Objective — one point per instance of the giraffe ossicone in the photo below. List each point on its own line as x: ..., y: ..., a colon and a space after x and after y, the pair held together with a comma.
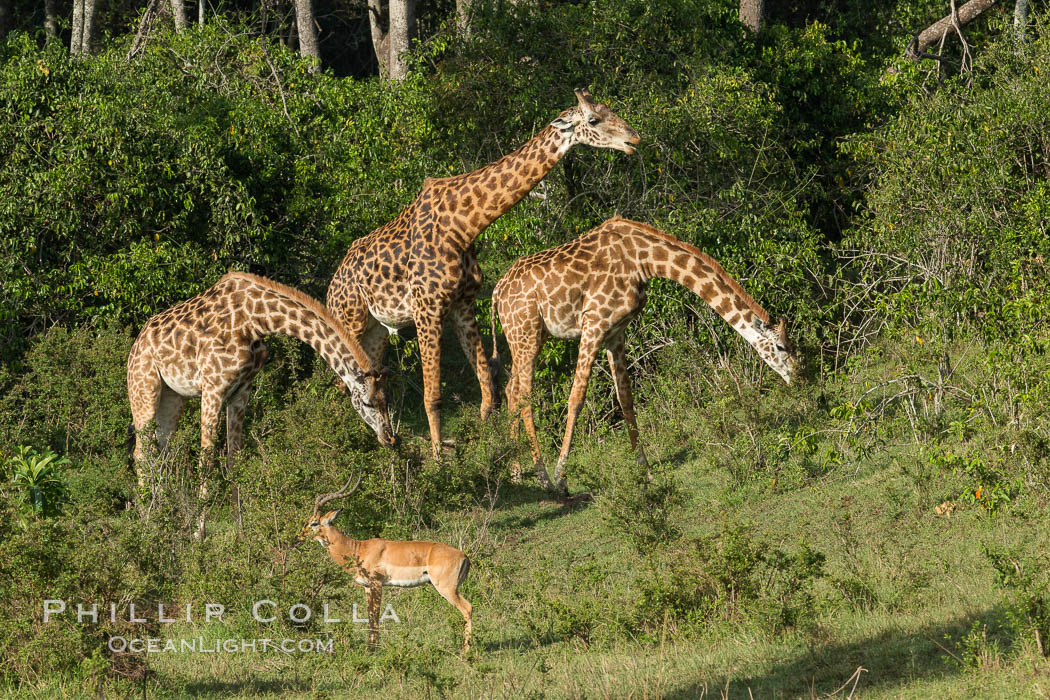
x: 421, y: 268
x: 590, y: 289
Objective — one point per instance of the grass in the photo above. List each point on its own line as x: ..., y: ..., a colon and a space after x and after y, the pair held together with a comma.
x: 906, y: 603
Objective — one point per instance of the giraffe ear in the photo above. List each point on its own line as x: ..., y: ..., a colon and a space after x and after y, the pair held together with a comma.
x: 562, y: 123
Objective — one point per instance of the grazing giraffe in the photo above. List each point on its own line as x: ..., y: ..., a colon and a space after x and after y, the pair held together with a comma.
x: 421, y: 267
x: 590, y: 288
x: 212, y: 346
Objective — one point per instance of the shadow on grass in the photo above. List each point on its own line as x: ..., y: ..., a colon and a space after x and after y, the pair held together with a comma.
x: 891, y: 660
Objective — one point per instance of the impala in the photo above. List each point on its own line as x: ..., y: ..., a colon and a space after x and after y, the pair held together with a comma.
x: 377, y: 562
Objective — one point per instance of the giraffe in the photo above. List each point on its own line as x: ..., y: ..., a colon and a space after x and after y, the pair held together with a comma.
x: 421, y: 267
x: 592, y: 287
x: 212, y: 346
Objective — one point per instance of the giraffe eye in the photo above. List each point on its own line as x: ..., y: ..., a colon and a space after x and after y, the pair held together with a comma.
x: 593, y: 120
x: 781, y: 348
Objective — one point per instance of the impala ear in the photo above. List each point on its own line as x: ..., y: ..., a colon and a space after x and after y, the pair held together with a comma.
x: 329, y: 517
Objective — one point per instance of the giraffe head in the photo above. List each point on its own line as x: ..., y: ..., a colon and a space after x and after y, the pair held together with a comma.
x: 774, y: 346
x: 369, y: 400
x: 593, y: 124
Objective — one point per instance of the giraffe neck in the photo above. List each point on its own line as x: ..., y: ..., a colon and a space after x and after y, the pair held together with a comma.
x: 501, y: 184
x: 274, y: 308
x: 680, y: 262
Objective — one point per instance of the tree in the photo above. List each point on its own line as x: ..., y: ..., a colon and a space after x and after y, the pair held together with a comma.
x: 83, y: 27
x: 178, y: 12
x: 5, y: 18
x: 464, y: 10
x: 1020, y: 18
x: 752, y: 13
x: 936, y: 31
x: 307, y: 33
x: 50, y: 20
x: 392, y: 34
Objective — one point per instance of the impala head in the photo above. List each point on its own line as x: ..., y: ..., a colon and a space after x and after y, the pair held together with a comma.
x: 593, y: 124
x: 369, y: 399
x: 774, y: 346
x: 319, y: 524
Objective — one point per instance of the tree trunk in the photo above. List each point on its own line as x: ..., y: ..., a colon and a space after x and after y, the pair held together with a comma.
x: 304, y: 23
x: 402, y: 31
x: 88, y: 36
x: 933, y: 33
x: 378, y: 21
x: 178, y: 12
x: 464, y: 9
x: 752, y: 13
x: 76, y: 38
x: 149, y: 15
x: 1020, y: 18
x: 5, y: 18
x: 50, y: 20
x: 200, y: 13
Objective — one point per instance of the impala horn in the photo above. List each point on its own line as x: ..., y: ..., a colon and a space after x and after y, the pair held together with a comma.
x: 321, y: 500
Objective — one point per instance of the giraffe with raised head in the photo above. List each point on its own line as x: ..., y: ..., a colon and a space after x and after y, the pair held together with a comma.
x: 421, y: 267
x: 590, y: 289
x: 212, y: 346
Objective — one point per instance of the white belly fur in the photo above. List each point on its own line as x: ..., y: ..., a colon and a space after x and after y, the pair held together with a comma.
x: 184, y: 386
x: 402, y: 581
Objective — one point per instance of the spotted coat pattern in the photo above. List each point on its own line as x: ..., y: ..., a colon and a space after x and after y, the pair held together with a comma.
x: 590, y: 289
x: 212, y: 346
x: 421, y: 267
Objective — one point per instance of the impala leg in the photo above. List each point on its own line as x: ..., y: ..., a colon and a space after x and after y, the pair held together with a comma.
x: 448, y: 586
x: 590, y: 342
x: 374, y: 597
x: 615, y: 350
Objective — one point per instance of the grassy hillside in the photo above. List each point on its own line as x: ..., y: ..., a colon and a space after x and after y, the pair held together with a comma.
x: 877, y: 528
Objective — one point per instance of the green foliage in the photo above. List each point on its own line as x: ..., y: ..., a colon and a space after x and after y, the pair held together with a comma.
x: 955, y: 227
x: 730, y: 576
x: 37, y: 477
x: 1024, y: 577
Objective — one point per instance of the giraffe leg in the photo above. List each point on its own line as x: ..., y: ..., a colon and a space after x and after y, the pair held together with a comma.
x: 236, y: 403
x: 428, y: 332
x: 211, y: 402
x: 590, y: 342
x: 466, y: 327
x: 144, y: 392
x: 374, y: 342
x: 525, y: 341
x: 615, y: 350
x: 374, y: 598
x: 169, y: 409
x: 235, y: 407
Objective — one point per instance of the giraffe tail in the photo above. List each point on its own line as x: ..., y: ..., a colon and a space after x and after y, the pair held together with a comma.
x: 495, y: 363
